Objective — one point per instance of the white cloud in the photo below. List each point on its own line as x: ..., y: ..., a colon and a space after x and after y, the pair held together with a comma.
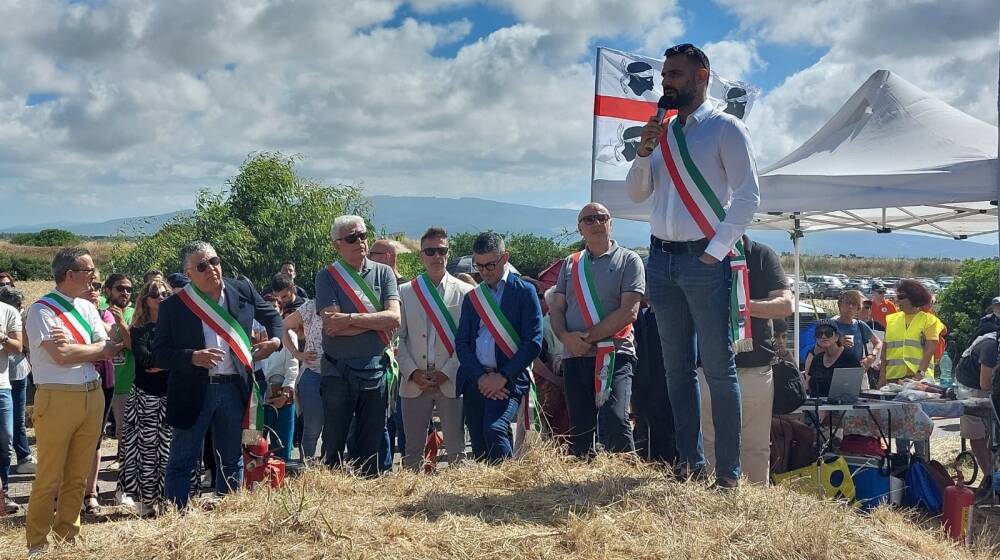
x: 733, y: 60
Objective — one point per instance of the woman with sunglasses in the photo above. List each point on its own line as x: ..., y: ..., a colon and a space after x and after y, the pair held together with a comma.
x: 106, y: 369
x: 911, y: 335
x: 826, y: 356
x: 146, y: 435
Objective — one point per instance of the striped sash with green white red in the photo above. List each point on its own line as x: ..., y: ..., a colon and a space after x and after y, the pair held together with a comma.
x: 593, y: 312
x: 358, y: 291
x: 436, y: 310
x: 77, y: 325
x: 496, y: 322
x: 222, y: 323
x: 702, y: 203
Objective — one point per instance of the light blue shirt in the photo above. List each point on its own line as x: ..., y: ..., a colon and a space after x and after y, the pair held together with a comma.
x: 486, y: 347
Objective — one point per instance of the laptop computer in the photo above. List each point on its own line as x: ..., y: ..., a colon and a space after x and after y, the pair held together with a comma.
x: 845, y: 387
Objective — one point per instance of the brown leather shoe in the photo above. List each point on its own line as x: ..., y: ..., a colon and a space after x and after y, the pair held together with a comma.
x: 723, y: 484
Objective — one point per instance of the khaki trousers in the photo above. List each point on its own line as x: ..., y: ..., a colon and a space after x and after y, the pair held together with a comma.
x: 67, y: 428
x: 756, y: 402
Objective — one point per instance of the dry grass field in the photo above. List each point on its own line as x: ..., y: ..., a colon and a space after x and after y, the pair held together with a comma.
x: 543, y: 506
x: 101, y: 250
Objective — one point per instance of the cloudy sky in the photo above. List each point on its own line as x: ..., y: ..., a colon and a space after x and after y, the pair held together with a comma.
x: 113, y: 108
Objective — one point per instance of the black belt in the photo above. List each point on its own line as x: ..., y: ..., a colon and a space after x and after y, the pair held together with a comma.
x: 695, y: 247
x: 223, y: 379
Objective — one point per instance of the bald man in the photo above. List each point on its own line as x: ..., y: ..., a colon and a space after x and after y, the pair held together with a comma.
x: 595, y: 303
x: 386, y: 252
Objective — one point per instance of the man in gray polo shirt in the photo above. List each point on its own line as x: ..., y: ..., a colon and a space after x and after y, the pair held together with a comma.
x: 355, y: 339
x: 619, y: 281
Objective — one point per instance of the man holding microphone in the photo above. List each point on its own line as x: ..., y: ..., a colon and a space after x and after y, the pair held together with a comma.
x: 699, y: 168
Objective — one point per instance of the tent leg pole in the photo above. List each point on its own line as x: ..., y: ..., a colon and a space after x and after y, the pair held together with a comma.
x: 798, y: 281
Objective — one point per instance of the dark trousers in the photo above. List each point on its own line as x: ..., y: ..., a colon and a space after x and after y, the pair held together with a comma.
x: 489, y: 422
x: 611, y: 422
x: 344, y: 401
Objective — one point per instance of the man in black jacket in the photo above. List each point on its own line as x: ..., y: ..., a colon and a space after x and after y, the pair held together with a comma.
x: 202, y: 339
x: 990, y: 323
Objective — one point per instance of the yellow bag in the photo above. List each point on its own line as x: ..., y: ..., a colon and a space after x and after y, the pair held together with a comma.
x: 831, y: 473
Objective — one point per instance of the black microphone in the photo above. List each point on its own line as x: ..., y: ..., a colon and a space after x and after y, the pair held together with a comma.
x: 661, y: 110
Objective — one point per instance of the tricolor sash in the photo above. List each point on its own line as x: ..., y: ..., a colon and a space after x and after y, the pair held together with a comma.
x: 489, y: 312
x: 222, y: 323
x: 436, y: 311
x: 706, y: 210
x: 593, y: 312
x: 358, y: 291
x: 76, y: 324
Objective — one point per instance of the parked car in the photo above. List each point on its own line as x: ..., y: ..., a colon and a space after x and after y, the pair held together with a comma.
x: 945, y: 281
x: 805, y: 288
x: 931, y: 285
x: 859, y: 284
x: 826, y: 286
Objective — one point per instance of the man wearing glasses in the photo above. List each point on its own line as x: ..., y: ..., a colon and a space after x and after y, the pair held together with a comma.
x: 596, y: 301
x: 428, y: 365
x: 66, y: 335
x: 702, y: 177
x: 499, y: 336
x: 358, y: 301
x: 203, y: 340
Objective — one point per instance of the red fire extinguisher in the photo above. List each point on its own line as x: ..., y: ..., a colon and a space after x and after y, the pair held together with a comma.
x: 260, y: 466
x: 957, y: 509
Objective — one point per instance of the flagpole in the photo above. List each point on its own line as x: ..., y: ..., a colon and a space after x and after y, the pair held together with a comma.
x: 593, y: 140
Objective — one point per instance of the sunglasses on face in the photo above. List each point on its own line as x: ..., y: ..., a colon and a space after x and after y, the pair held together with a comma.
x: 824, y: 334
x: 431, y: 251
x: 595, y: 218
x: 124, y: 289
x: 203, y: 265
x: 489, y: 267
x: 158, y: 295
x: 354, y: 237
x: 95, y: 287
x: 7, y: 283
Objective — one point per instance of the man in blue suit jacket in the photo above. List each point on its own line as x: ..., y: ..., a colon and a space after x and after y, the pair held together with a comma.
x: 207, y: 384
x: 492, y: 383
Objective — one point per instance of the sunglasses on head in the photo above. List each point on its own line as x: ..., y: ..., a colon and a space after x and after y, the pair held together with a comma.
x: 595, y: 218
x: 690, y: 51
x: 354, y: 237
x: 431, y: 251
x: 203, y: 265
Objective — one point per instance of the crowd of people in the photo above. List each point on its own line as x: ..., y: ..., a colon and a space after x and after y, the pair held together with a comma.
x: 670, y: 358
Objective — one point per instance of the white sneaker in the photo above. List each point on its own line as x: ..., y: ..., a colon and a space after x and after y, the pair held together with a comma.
x: 38, y: 551
x: 27, y: 466
x: 124, y: 499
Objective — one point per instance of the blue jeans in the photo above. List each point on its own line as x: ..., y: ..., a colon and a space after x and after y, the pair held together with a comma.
x: 489, y: 422
x: 223, y: 410
x: 691, y: 299
x: 19, y: 390
x: 6, y: 435
x: 311, y: 405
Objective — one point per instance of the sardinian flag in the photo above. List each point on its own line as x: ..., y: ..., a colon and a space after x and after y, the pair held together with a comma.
x: 627, y: 89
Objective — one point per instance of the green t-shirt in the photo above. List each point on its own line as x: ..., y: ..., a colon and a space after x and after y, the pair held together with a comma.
x: 124, y: 363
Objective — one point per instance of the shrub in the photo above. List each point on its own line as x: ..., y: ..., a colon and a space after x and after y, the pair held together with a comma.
x: 46, y: 238
x: 962, y: 304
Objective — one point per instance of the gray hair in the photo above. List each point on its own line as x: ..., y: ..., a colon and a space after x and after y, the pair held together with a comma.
x: 65, y: 260
x: 12, y: 297
x: 194, y: 247
x: 489, y: 242
x: 344, y: 221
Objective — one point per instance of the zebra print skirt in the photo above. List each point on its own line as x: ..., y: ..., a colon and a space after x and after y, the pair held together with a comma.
x: 145, y: 448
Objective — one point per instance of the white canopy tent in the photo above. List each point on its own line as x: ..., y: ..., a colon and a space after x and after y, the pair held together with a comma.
x: 893, y: 158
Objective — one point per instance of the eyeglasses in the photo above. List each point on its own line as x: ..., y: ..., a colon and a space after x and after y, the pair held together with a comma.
x: 690, y: 51
x: 353, y: 237
x: 158, y: 295
x: 87, y: 270
x: 124, y: 289
x: 594, y: 218
x: 825, y: 334
x: 490, y: 266
x: 203, y: 265
x: 431, y: 251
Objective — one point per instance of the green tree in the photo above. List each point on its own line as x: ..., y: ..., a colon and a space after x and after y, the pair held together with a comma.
x: 46, y: 238
x: 967, y: 299
x: 529, y: 253
x: 266, y: 214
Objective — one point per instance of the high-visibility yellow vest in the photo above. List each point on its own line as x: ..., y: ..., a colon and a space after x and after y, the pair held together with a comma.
x: 903, y: 346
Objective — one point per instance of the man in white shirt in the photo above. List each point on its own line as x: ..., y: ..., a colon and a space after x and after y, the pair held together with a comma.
x: 10, y: 339
x: 66, y: 335
x: 688, y: 274
x: 427, y: 362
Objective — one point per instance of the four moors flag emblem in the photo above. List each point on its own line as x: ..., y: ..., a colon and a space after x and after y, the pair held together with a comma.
x: 626, y: 91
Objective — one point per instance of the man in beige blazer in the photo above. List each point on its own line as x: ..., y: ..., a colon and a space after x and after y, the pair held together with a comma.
x: 431, y: 305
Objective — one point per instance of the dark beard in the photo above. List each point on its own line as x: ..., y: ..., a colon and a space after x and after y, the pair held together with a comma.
x: 680, y: 99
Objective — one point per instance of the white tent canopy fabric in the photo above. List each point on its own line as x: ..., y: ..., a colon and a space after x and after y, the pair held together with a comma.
x: 893, y: 158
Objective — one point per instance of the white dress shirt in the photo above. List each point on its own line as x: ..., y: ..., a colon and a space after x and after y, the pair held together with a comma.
x: 720, y: 147
x: 226, y: 365
x: 486, y: 349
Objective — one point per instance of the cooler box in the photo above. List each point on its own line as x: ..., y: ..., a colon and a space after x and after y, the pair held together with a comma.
x: 871, y: 481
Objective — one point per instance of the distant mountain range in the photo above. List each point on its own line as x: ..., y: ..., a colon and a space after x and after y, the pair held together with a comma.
x: 412, y: 214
